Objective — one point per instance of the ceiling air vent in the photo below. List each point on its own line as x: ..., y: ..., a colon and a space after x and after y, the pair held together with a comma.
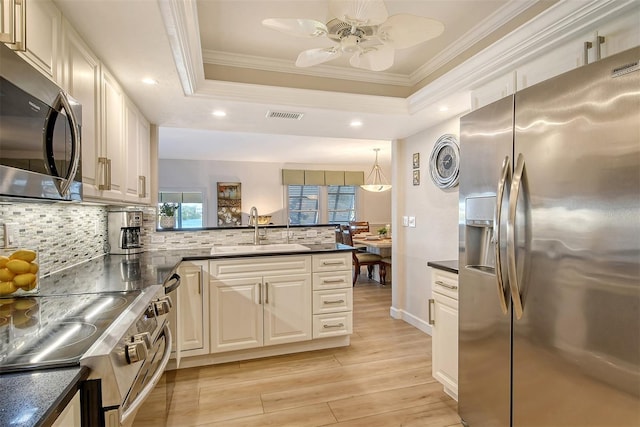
x: 284, y: 115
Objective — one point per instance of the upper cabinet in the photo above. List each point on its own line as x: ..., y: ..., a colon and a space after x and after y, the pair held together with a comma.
x: 115, y: 135
x: 32, y: 28
x: 612, y: 35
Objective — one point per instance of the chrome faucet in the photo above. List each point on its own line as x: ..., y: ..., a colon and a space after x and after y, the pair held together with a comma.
x: 253, y: 213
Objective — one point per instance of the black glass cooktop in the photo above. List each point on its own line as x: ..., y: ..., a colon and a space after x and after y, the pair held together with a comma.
x: 48, y: 331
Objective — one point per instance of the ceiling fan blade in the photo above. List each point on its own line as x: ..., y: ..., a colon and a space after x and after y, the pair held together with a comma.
x: 296, y: 27
x: 359, y: 12
x: 317, y: 56
x: 404, y: 30
x: 376, y: 58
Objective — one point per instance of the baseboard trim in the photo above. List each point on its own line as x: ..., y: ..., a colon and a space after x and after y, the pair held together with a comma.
x: 410, y: 319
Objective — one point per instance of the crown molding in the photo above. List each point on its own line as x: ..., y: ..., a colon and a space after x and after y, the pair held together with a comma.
x: 286, y: 66
x: 547, y: 31
x: 496, y: 20
x: 302, y: 98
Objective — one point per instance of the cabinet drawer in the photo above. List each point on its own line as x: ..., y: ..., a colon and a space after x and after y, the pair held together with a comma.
x: 332, y: 324
x: 332, y: 280
x: 331, y: 262
x: 260, y: 265
x: 332, y: 301
x: 445, y: 283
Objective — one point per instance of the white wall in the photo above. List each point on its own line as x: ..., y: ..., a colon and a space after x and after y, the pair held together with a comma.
x: 261, y: 186
x: 435, y: 237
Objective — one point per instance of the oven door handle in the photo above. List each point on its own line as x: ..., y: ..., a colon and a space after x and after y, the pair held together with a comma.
x: 168, y: 288
x: 135, y: 405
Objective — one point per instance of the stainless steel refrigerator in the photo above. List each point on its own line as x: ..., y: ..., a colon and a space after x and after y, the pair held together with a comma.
x: 549, y: 326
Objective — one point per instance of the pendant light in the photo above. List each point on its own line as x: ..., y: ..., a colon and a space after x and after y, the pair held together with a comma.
x: 376, y: 181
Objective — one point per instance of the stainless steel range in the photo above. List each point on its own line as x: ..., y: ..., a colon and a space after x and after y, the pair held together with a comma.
x: 121, y: 335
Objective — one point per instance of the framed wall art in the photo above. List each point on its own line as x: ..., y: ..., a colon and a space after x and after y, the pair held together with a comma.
x: 416, y: 160
x: 416, y: 177
x: 229, y: 204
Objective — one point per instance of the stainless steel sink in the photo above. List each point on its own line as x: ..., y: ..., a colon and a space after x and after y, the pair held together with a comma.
x: 250, y: 249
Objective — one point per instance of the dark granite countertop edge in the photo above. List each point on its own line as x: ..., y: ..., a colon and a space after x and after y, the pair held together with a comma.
x: 313, y: 249
x: 65, y: 397
x: 449, y: 265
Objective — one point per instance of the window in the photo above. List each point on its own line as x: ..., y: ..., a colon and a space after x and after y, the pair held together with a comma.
x: 313, y: 204
x: 341, y: 206
x: 189, y: 213
x: 303, y: 204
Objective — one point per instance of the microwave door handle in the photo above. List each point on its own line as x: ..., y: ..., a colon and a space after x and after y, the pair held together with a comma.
x: 497, y: 223
x: 511, y: 238
x: 62, y: 102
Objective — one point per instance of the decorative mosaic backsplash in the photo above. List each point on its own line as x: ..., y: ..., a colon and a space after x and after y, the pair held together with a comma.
x: 64, y: 234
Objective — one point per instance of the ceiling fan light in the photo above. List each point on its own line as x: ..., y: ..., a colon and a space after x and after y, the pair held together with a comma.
x: 376, y: 182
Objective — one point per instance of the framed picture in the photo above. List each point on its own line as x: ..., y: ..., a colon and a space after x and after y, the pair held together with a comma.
x: 416, y: 177
x: 416, y: 160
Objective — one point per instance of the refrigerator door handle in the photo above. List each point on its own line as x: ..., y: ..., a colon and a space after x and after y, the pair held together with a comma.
x: 497, y: 221
x: 511, y: 236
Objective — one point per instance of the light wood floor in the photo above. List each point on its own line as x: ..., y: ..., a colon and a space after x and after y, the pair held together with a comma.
x: 382, y: 379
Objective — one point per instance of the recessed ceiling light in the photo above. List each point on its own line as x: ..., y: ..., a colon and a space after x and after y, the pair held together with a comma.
x: 355, y: 123
x: 443, y: 108
x: 219, y: 113
x: 149, y: 81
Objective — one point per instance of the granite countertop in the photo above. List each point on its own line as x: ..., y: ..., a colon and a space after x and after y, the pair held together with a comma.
x: 449, y: 265
x: 37, y: 397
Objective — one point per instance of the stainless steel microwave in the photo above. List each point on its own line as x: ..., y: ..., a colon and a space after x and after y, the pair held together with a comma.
x: 40, y: 128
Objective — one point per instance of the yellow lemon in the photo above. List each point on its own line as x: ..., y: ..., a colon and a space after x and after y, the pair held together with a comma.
x: 18, y: 266
x: 7, y: 288
x: 23, y: 254
x: 3, y: 261
x: 6, y: 275
x: 24, y: 280
x: 33, y: 268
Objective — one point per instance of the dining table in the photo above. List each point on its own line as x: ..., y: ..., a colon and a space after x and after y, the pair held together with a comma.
x: 375, y: 244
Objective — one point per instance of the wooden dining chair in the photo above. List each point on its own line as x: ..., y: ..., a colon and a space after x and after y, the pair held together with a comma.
x: 361, y: 259
x: 358, y: 227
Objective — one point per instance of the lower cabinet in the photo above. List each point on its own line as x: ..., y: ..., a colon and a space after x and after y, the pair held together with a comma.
x: 443, y: 316
x: 250, y: 308
x: 332, y: 295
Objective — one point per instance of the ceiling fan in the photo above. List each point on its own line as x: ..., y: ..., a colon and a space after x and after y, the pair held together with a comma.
x: 362, y: 28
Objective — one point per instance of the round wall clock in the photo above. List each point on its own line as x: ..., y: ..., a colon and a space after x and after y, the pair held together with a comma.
x: 444, y: 163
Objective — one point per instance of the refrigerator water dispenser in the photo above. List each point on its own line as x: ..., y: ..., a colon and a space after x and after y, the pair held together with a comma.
x: 479, y: 217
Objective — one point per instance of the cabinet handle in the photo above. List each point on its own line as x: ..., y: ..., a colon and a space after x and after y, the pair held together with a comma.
x: 432, y: 302
x: 18, y: 24
x: 106, y: 162
x: 332, y: 262
x: 142, y: 182
x: 266, y: 293
x: 340, y: 301
x: 333, y: 281
x: 339, y: 325
x: 10, y: 32
x: 259, y: 293
x: 596, y: 49
x: 446, y: 285
x: 199, y: 282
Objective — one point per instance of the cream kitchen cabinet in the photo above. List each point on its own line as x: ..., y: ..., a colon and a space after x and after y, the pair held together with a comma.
x: 33, y: 28
x: 137, y: 140
x: 193, y: 308
x: 257, y: 302
x: 611, y: 33
x: 81, y: 73
x: 332, y: 295
x: 443, y: 317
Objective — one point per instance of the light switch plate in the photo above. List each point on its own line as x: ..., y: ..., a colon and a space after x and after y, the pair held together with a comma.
x: 412, y: 221
x: 405, y: 221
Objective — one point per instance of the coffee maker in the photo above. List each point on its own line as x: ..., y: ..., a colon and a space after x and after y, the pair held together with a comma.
x: 124, y: 231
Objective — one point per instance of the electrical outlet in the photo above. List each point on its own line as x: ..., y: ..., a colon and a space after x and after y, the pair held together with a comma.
x: 157, y: 238
x: 412, y: 221
x: 312, y: 233
x: 11, y: 232
x: 405, y: 221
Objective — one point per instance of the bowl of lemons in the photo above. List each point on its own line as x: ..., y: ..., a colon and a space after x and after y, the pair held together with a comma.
x: 18, y: 272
